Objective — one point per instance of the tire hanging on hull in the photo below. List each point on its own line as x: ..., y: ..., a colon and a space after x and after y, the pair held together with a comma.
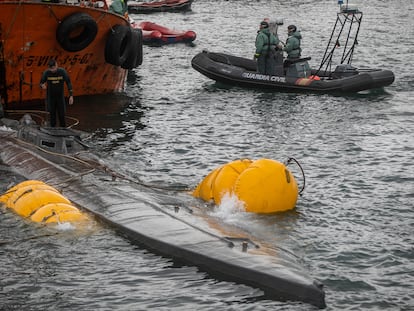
x: 118, y: 45
x: 76, y: 32
x: 124, y: 47
x: 134, y: 58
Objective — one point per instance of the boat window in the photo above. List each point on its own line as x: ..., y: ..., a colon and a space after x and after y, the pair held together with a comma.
x: 49, y: 144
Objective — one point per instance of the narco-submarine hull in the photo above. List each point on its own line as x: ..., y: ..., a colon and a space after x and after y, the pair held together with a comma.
x: 168, y: 223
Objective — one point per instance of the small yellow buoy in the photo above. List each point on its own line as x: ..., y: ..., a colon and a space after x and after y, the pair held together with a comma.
x: 264, y: 185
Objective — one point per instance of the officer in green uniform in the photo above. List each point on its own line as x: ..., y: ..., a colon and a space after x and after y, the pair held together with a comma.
x: 266, y: 44
x: 119, y: 7
x: 53, y: 79
x: 292, y: 47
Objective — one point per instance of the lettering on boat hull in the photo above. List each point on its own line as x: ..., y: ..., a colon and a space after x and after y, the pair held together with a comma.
x: 262, y: 77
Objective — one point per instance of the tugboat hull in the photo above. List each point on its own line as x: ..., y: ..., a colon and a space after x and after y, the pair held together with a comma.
x: 32, y: 33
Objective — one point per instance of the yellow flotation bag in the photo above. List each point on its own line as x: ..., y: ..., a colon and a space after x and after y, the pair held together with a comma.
x: 41, y: 203
x: 264, y: 186
x: 204, y: 190
x: 221, y: 181
x: 25, y: 200
x: 57, y: 212
x: 5, y: 196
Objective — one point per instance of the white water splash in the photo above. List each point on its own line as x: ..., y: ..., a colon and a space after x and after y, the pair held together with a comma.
x: 65, y: 226
x: 230, y: 210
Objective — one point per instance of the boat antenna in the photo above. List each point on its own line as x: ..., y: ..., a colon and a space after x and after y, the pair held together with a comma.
x: 344, y: 36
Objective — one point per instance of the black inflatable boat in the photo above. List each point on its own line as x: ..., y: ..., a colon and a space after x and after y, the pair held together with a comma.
x: 238, y: 71
x: 297, y: 75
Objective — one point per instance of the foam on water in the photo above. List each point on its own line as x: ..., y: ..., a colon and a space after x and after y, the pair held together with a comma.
x: 65, y: 226
x: 230, y: 209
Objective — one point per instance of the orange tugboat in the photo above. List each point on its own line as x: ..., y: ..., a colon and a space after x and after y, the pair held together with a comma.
x: 95, y: 46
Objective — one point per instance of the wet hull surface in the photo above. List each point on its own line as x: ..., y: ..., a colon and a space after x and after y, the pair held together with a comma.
x: 162, y: 223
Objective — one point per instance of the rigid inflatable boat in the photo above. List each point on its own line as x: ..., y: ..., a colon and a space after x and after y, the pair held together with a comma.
x: 297, y: 75
x: 159, y: 6
x: 166, y: 222
x: 238, y: 71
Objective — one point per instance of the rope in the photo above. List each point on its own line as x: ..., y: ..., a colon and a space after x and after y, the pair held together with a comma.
x: 96, y: 165
x: 91, y: 164
x: 115, y: 174
x: 13, y: 20
x: 303, y: 173
x: 34, y: 112
x: 54, y: 15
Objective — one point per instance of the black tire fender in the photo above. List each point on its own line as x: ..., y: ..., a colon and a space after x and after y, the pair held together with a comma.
x: 140, y: 54
x: 134, y: 58
x: 76, y: 32
x: 118, y: 45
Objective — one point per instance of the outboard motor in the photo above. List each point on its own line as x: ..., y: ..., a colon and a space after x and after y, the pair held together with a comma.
x: 298, y: 68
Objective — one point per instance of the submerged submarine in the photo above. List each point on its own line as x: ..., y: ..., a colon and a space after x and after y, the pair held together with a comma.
x: 162, y: 221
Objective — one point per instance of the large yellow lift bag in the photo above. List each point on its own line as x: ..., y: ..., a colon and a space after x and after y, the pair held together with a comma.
x: 227, y: 177
x: 57, y: 212
x: 264, y: 185
x: 31, y: 201
x: 267, y: 186
x: 5, y: 197
x: 41, y: 203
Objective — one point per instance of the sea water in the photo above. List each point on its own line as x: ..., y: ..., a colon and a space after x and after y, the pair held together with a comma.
x: 353, y: 225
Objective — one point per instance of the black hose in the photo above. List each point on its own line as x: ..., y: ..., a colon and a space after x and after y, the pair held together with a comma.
x: 303, y: 173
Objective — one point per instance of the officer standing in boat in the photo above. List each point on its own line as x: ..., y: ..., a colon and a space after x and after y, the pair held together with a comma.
x: 53, y: 80
x: 292, y: 46
x: 266, y: 44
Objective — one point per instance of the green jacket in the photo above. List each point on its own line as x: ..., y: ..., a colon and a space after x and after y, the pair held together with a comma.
x: 292, y: 46
x: 118, y: 7
x: 262, y: 41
